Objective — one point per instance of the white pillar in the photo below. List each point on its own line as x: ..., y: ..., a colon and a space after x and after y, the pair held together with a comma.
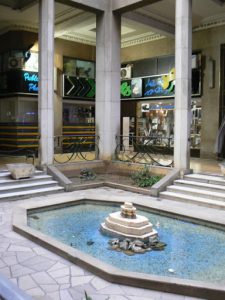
x: 183, y: 54
x: 107, y: 117
x: 46, y: 81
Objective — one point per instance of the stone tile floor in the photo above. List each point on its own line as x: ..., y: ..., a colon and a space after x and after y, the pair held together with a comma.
x: 46, y: 276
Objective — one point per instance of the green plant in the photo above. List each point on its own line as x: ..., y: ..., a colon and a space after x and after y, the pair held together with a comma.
x: 143, y: 178
x: 86, y: 296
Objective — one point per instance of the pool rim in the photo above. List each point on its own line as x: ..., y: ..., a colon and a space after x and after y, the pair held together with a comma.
x: 108, y: 272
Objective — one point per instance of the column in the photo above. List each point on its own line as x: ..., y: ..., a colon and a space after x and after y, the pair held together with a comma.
x: 46, y: 81
x: 107, y: 116
x: 183, y: 52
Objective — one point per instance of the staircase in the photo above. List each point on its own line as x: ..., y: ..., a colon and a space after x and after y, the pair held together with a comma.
x: 201, y: 189
x: 39, y: 184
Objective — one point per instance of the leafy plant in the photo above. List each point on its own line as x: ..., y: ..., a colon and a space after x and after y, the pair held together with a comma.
x: 86, y: 296
x: 143, y: 178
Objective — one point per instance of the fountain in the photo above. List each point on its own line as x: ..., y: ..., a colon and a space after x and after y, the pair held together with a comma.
x: 127, y: 224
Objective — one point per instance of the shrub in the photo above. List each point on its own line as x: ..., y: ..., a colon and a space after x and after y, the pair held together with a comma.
x: 143, y: 178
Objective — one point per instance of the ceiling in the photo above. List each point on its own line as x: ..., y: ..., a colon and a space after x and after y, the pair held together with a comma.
x: 142, y: 25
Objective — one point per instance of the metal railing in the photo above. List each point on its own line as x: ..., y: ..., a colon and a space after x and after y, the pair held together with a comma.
x: 29, y: 151
x: 155, y: 150
x: 9, y: 291
x: 72, y: 148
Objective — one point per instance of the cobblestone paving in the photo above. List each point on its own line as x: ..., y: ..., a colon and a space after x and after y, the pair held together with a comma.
x: 46, y: 276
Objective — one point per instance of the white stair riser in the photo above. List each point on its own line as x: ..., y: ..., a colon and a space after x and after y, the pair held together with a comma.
x: 6, y: 175
x: 196, y: 193
x: 210, y: 180
x: 196, y: 186
x: 10, y: 182
x: 28, y: 188
x: 18, y: 196
x: 192, y: 201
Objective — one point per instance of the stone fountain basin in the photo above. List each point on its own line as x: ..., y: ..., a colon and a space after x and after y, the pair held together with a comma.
x: 138, y: 228
x: 109, y: 272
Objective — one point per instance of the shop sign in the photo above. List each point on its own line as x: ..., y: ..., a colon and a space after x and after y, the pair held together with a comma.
x: 30, y: 80
x: 160, y: 85
x: 125, y: 89
x: 19, y: 81
x: 76, y: 88
x: 157, y: 86
x: 136, y: 87
x: 131, y: 88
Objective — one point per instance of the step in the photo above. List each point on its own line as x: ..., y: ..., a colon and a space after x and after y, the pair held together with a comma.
x: 193, y: 200
x: 30, y: 193
x: 8, y: 181
x: 200, y: 185
x: 196, y: 192
x: 6, y: 173
x: 213, y: 179
x: 27, y: 186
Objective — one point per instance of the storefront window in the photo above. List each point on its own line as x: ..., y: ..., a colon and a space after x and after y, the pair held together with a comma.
x: 165, y: 64
x: 31, y: 62
x: 78, y: 68
x: 78, y: 113
x: 157, y: 121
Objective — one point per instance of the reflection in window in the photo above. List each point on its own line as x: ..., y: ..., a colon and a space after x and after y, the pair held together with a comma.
x: 78, y: 68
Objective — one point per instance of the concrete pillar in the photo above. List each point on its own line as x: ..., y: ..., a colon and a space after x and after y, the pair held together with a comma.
x: 46, y: 81
x: 107, y: 118
x: 183, y: 52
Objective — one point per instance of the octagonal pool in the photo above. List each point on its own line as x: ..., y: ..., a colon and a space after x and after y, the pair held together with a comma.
x: 193, y: 251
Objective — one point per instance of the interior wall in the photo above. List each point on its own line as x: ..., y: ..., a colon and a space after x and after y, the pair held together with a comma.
x: 209, y: 42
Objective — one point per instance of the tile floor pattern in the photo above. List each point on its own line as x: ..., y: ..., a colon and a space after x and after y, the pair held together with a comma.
x: 46, y: 276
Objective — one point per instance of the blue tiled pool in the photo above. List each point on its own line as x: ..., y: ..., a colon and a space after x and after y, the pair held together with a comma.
x: 193, y: 251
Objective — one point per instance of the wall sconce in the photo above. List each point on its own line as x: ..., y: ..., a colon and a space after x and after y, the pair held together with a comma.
x: 211, y: 73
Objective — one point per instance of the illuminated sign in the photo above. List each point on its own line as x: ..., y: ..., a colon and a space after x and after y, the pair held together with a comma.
x: 159, y: 86
x: 136, y: 87
x: 31, y: 81
x: 125, y: 89
x: 155, y: 87
x: 19, y: 82
x: 76, y: 88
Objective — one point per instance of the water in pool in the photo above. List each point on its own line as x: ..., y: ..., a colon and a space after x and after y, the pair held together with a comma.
x: 193, y: 251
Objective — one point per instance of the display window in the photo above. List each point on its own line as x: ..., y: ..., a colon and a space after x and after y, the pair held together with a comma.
x: 156, y: 120
x: 78, y: 68
x: 78, y: 113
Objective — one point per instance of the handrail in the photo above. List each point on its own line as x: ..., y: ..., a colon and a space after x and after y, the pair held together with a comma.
x: 70, y: 147
x: 155, y: 150
x: 9, y: 291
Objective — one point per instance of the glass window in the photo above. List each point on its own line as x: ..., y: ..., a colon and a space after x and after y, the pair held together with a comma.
x: 78, y: 68
x: 165, y: 64
x: 69, y: 66
x: 31, y: 61
x: 146, y: 67
x: 85, y: 69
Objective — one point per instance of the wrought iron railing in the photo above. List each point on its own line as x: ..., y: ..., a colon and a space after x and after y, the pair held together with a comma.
x: 72, y: 148
x: 29, y: 151
x: 155, y: 150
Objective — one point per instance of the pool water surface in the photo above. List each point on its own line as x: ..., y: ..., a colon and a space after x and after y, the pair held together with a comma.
x: 193, y: 251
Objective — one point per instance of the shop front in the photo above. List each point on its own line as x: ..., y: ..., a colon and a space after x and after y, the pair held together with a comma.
x: 153, y: 97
